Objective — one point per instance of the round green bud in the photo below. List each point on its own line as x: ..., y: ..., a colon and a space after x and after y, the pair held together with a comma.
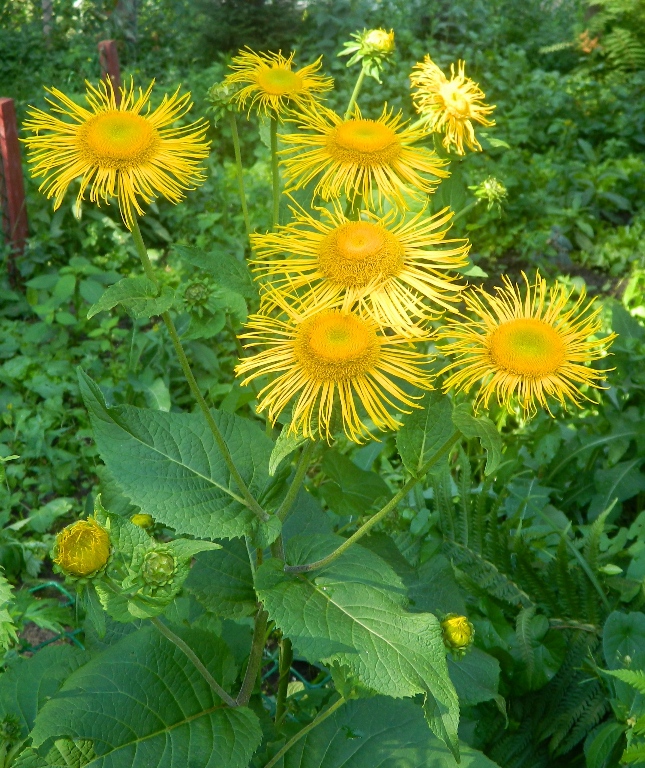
x: 158, y: 568
x: 143, y: 520
x: 458, y: 632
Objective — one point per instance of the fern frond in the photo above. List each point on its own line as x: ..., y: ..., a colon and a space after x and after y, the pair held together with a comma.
x: 525, y: 638
x: 633, y: 677
x: 580, y: 721
x: 464, y: 519
x: 623, y: 50
x: 479, y: 518
x: 592, y: 540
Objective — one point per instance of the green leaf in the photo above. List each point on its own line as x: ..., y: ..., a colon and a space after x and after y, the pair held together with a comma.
x: 285, y: 445
x: 483, y: 428
x: 224, y: 267
x: 425, y: 431
x: 222, y: 581
x: 600, y: 744
x: 476, y: 678
x: 351, y: 490
x: 377, y: 732
x: 143, y: 704
x: 138, y: 295
x: 352, y: 612
x: 7, y: 627
x: 633, y: 677
x: 169, y: 465
x: 624, y: 324
x: 64, y: 754
x: 621, y: 482
x: 29, y: 683
x: 624, y: 636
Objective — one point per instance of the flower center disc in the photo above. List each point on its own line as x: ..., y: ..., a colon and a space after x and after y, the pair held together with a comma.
x: 456, y: 103
x: 358, y: 252
x: 527, y: 347
x: 118, y: 139
x: 364, y: 142
x: 279, y: 81
x: 332, y: 346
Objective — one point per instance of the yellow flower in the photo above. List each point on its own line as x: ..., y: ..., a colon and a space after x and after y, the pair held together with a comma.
x: 379, y: 41
x: 353, y: 156
x: 82, y: 548
x: 386, y: 266
x: 270, y: 82
x: 120, y: 151
x: 458, y: 632
x: 329, y: 358
x: 526, y: 347
x: 451, y: 106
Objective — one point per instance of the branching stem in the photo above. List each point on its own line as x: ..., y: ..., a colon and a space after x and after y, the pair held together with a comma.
x: 301, y: 471
x: 255, y: 658
x: 190, y: 654
x: 248, y: 499
x: 367, y: 526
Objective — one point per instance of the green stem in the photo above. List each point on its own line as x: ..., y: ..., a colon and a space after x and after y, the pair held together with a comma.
x: 294, y: 739
x: 247, y: 499
x: 240, y: 172
x: 466, y: 210
x: 255, y: 658
x: 190, y: 654
x: 286, y: 660
x: 275, y: 171
x: 301, y: 471
x: 355, y: 92
x: 366, y: 527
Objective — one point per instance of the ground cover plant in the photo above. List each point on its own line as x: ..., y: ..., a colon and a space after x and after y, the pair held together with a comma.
x: 309, y: 456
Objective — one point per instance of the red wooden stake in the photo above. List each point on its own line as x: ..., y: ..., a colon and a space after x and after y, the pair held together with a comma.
x: 12, y: 188
x: 109, y: 60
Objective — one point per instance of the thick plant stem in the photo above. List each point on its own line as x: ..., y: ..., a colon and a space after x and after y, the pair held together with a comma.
x: 467, y: 209
x: 286, y: 660
x: 255, y: 658
x: 366, y: 527
x: 294, y: 739
x: 355, y: 92
x: 275, y: 171
x: 240, y: 172
x: 190, y: 654
x: 301, y: 471
x: 247, y: 498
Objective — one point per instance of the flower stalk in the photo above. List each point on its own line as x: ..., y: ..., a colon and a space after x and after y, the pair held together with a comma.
x: 355, y: 92
x: 275, y: 171
x: 240, y: 172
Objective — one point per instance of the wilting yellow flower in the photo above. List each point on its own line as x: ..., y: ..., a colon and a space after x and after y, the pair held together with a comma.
x: 329, y: 359
x: 270, y: 82
x: 356, y: 155
x: 385, y: 266
x: 451, y: 106
x: 458, y: 632
x: 527, y: 347
x: 82, y: 548
x: 120, y: 151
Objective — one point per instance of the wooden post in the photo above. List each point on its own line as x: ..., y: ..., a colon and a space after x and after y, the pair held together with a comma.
x: 12, y: 188
x: 109, y: 60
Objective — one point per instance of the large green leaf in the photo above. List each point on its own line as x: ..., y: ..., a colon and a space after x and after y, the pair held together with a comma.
x: 476, y: 678
x: 425, y: 431
x: 222, y: 581
x: 169, y: 465
x: 624, y: 636
x: 144, y: 705
x: 29, y: 683
x: 138, y: 295
x: 377, y: 732
x: 350, y: 489
x: 483, y: 428
x: 224, y: 267
x: 352, y: 612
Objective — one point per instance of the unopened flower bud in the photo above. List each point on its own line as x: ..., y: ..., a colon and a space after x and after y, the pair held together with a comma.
x: 158, y: 568
x: 458, y: 632
x: 143, y: 520
x: 491, y: 190
x: 379, y: 41
x: 82, y: 548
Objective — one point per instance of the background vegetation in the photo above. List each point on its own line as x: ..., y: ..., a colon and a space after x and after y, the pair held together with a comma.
x: 548, y: 560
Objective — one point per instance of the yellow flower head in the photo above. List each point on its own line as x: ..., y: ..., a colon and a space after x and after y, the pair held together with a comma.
x: 118, y: 151
x: 269, y: 81
x: 356, y: 156
x: 526, y: 347
x: 387, y: 266
x: 451, y: 106
x: 328, y: 359
x: 458, y: 632
x: 82, y: 548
